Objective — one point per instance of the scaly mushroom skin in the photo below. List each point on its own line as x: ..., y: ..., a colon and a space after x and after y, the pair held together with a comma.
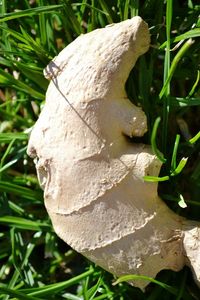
x: 91, y: 174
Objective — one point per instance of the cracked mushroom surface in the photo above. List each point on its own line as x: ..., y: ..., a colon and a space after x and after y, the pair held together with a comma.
x: 91, y: 174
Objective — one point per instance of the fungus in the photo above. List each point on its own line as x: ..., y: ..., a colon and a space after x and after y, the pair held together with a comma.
x: 92, y: 175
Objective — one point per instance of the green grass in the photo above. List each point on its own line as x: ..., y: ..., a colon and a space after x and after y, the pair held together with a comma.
x: 34, y: 262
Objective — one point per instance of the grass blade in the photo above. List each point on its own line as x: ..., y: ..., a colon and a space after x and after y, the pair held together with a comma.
x: 165, y: 286
x: 57, y: 287
x: 187, y: 35
x: 184, y: 102
x: 10, y: 136
x: 72, y: 17
x: 166, y: 106
x: 174, y: 154
x: 180, y: 166
x: 134, y: 8
x: 6, y: 78
x: 30, y: 12
x: 16, y: 294
x: 106, y: 8
x: 177, y: 58
x: 126, y: 9
x: 24, y: 224
x: 21, y: 191
x: 194, y: 85
x: 155, y: 178
x: 155, y: 149
x: 195, y: 138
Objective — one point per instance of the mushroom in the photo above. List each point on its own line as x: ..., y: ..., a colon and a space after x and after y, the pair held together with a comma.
x: 92, y: 175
